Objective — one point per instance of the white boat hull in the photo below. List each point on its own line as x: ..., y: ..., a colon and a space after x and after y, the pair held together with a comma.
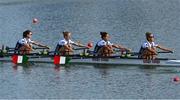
x: 107, y: 61
x: 133, y: 62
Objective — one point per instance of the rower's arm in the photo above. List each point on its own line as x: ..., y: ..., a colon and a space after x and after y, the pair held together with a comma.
x: 27, y: 46
x: 79, y: 44
x: 163, y: 48
x: 121, y: 47
x: 151, y: 50
x: 108, y: 47
x: 41, y: 45
x: 68, y: 48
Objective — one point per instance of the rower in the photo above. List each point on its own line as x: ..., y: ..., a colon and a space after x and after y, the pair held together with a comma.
x: 148, y: 48
x: 24, y: 46
x: 64, y: 46
x: 104, y: 47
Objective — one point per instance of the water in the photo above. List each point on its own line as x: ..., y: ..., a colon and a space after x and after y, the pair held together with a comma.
x: 125, y: 20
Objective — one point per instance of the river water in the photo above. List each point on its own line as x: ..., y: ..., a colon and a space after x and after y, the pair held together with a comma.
x: 125, y: 20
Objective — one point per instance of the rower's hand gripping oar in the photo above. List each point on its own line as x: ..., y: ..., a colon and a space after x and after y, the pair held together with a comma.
x: 123, y: 52
x: 85, y: 48
x: 88, y: 46
x: 45, y: 50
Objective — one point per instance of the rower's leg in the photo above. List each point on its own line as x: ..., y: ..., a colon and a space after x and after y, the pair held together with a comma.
x: 101, y: 52
x: 145, y: 54
x: 106, y: 52
x: 154, y: 56
x: 24, y: 50
x: 63, y: 51
x: 68, y: 52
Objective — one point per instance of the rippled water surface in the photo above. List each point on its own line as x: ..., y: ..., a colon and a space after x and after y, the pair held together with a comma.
x: 125, y: 20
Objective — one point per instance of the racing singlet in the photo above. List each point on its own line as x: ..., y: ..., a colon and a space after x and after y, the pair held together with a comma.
x: 146, y: 45
x: 23, y: 41
x: 63, y: 42
x: 100, y: 44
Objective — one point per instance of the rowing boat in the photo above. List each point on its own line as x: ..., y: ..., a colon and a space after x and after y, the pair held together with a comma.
x: 106, y: 61
x: 49, y: 57
x: 128, y: 62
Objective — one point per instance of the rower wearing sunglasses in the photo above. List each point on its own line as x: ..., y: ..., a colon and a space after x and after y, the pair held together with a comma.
x: 24, y: 46
x: 148, y: 49
x: 65, y: 46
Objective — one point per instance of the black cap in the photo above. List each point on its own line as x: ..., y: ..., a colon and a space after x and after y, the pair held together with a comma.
x: 103, y: 34
x: 25, y: 33
x: 149, y: 34
x: 66, y: 33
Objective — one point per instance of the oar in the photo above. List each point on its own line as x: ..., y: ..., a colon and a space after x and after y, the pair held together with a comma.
x: 78, y: 56
x: 82, y: 48
x: 137, y: 53
x: 36, y: 48
x: 114, y: 50
x: 165, y: 52
x: 88, y: 46
x: 10, y: 48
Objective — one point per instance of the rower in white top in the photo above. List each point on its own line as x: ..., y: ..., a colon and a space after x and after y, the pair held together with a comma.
x: 24, y: 46
x: 104, y: 47
x: 148, y: 49
x: 64, y: 46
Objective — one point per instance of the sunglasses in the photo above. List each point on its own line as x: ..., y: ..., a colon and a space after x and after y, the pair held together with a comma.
x: 151, y: 36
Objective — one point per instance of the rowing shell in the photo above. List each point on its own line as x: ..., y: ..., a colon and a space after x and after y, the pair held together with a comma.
x: 128, y: 62
x: 107, y: 61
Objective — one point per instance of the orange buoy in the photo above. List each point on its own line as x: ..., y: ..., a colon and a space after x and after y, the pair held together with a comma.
x: 35, y: 20
x: 176, y: 79
x: 90, y: 44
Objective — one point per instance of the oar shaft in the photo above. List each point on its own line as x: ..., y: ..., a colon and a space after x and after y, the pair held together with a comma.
x: 83, y: 48
x: 137, y: 53
x: 9, y: 48
x: 165, y: 52
x: 40, y: 48
x: 78, y: 56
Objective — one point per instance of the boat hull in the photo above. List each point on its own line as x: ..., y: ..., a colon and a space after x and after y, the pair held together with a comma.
x: 128, y: 62
x: 107, y: 61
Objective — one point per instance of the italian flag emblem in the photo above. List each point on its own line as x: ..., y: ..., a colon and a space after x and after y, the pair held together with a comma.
x: 19, y: 59
x: 60, y: 60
